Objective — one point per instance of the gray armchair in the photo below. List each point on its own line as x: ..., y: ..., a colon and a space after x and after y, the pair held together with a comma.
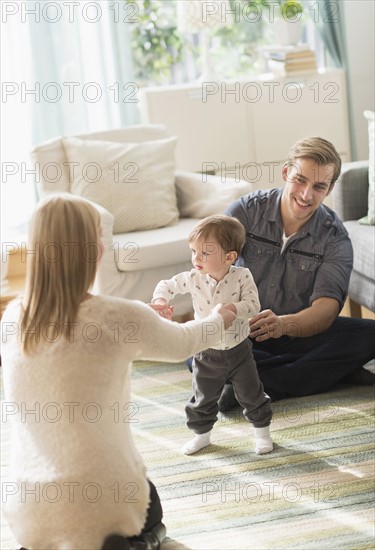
x: 350, y: 202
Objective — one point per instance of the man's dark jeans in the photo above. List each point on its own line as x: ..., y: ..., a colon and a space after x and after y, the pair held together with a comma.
x: 306, y: 366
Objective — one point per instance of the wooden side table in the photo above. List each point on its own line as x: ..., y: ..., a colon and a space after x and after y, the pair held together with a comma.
x: 14, y: 284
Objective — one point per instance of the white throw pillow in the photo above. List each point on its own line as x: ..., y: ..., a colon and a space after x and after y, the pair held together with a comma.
x: 133, y: 181
x: 201, y: 195
x: 370, y: 218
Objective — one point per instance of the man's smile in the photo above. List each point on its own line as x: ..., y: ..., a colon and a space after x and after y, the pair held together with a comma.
x: 302, y: 204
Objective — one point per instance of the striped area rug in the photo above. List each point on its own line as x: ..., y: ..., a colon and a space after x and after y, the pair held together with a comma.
x: 315, y: 491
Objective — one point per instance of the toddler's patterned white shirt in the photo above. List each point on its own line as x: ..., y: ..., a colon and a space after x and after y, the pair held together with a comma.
x: 237, y: 287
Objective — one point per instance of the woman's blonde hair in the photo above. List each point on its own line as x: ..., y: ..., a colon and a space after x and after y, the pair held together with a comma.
x: 228, y: 232
x: 318, y: 149
x: 62, y: 255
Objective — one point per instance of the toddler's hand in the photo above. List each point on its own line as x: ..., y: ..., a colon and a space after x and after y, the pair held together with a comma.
x: 163, y: 309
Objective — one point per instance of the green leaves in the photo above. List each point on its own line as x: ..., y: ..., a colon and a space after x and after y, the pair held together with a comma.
x: 160, y: 51
x: 156, y: 44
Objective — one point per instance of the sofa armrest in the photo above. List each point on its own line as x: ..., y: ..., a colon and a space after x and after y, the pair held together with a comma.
x: 350, y: 193
x: 107, y: 273
x: 201, y: 195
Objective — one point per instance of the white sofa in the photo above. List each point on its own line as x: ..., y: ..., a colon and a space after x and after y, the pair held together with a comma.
x: 134, y: 261
x: 351, y: 203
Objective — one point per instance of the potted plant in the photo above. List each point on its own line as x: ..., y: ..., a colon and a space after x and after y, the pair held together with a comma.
x: 286, y: 18
x: 155, y: 42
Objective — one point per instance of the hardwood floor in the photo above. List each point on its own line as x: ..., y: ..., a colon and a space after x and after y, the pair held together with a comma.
x: 365, y: 313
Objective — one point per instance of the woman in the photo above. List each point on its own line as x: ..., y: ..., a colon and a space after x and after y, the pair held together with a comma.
x: 76, y: 479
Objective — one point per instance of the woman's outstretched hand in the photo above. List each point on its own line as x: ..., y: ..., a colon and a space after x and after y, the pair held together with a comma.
x: 163, y: 309
x: 227, y: 314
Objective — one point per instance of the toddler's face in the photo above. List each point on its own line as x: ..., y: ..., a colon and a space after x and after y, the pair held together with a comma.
x: 208, y: 257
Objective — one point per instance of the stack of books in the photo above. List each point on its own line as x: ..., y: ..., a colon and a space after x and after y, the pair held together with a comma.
x: 290, y: 59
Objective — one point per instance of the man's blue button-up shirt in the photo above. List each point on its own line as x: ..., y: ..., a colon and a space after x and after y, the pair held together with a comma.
x: 316, y: 261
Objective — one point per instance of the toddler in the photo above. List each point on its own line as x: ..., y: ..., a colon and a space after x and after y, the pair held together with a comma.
x: 215, y: 243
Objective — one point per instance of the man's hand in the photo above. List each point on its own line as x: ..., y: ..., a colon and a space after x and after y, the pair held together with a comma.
x: 266, y: 325
x: 308, y: 322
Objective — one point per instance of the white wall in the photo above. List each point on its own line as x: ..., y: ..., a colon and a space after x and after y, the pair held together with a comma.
x: 359, y: 17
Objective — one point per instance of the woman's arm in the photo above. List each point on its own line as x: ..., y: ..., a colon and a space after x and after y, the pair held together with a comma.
x: 163, y: 340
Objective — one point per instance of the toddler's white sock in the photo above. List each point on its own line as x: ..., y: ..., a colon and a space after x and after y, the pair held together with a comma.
x: 263, y: 441
x: 197, y: 443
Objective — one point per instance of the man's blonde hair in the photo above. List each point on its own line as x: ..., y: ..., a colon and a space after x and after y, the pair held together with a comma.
x: 318, y: 149
x: 62, y: 254
x: 227, y: 231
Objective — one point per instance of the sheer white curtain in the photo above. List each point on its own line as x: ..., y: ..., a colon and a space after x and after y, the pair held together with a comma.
x: 66, y: 69
x: 17, y: 196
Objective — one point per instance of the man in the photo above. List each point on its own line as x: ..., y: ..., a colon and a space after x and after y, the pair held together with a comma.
x: 301, y: 258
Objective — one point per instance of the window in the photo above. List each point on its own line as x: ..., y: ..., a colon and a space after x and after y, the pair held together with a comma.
x: 164, y: 53
x: 99, y: 47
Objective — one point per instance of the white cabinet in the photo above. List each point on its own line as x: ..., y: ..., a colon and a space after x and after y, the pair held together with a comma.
x: 245, y: 128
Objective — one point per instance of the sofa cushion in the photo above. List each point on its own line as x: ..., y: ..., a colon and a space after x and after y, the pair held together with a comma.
x: 201, y: 195
x: 54, y: 174
x: 142, y: 250
x: 363, y: 241
x: 133, y: 181
x: 370, y: 218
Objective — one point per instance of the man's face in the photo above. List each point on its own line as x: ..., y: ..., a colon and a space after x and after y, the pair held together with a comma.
x: 307, y: 184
